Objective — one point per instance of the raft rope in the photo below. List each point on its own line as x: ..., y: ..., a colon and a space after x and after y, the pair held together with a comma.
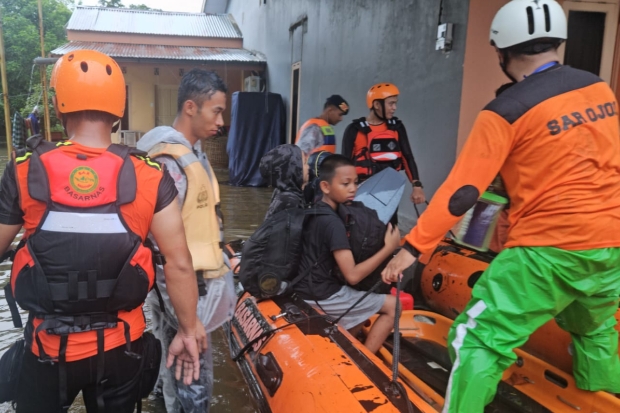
x: 374, y: 287
x: 270, y: 332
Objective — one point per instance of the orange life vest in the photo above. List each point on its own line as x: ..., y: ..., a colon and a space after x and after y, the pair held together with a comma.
x: 376, y: 148
x: 83, y: 270
x: 329, y: 136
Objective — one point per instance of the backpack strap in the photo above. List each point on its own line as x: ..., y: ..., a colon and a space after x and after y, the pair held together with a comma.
x: 310, y: 212
x: 38, y: 183
x: 361, y: 125
x: 394, y: 123
x: 127, y: 183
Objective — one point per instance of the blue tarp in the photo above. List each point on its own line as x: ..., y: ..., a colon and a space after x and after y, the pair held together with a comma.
x: 258, y: 124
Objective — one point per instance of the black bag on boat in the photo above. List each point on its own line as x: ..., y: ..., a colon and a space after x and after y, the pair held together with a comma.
x: 272, y: 254
x: 10, y: 366
x: 366, y: 235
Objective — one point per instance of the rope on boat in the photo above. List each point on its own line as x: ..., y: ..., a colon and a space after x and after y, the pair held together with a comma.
x: 374, y: 287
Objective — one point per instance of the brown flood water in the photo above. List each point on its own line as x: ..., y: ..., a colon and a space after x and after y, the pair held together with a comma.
x: 244, y: 209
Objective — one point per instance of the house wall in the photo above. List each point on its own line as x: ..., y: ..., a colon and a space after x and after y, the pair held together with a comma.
x: 346, y: 47
x: 482, y: 74
x: 142, y: 81
x: 85, y: 36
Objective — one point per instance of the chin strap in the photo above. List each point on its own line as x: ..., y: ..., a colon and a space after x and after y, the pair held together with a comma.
x: 505, y: 64
x: 382, y: 109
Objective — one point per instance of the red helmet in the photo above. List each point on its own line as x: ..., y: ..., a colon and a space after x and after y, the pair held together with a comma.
x: 88, y: 80
x: 380, y: 91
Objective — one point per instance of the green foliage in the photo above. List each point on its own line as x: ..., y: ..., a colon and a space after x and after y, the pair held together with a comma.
x: 20, y: 20
x: 140, y: 7
x: 111, y: 3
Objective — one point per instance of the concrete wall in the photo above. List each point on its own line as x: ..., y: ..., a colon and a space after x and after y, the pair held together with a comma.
x: 482, y: 74
x: 349, y: 45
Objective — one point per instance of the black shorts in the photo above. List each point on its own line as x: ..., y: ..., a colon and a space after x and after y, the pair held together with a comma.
x: 38, y: 389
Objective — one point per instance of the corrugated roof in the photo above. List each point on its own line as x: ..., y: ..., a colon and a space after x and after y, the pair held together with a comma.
x: 149, y: 51
x: 121, y: 20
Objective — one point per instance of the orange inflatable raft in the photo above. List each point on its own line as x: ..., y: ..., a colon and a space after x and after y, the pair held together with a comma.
x: 529, y: 385
x: 295, y: 360
x: 446, y: 282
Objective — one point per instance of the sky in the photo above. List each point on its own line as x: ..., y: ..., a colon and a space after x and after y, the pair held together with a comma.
x: 166, y: 5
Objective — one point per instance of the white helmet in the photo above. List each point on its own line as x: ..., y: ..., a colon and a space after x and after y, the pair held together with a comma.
x: 523, y: 20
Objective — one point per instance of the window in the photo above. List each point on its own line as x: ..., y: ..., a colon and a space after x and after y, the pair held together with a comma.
x: 165, y: 104
x: 295, y: 87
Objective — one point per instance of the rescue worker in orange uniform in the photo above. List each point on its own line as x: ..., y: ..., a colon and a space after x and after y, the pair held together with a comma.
x: 84, y: 267
x: 317, y: 134
x: 553, y: 138
x: 380, y: 141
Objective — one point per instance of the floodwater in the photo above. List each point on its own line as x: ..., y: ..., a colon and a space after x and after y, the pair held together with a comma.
x: 244, y: 209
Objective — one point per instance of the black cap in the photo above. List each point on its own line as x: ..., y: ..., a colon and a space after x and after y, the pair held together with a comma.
x: 339, y: 102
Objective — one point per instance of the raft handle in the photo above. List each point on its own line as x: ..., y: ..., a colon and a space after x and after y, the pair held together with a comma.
x: 556, y: 379
x: 566, y: 402
x: 269, y: 372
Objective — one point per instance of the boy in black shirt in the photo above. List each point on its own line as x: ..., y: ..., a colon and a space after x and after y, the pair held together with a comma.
x: 326, y: 246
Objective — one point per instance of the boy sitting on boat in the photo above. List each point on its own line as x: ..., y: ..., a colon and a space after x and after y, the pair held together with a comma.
x: 326, y: 246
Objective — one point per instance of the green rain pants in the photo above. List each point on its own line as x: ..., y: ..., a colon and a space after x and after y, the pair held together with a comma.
x: 522, y: 289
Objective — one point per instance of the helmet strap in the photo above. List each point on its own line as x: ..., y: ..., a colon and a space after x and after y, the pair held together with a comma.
x: 116, y: 126
x: 504, y: 64
x: 382, y: 109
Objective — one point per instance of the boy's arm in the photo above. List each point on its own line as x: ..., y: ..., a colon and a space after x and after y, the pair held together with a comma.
x: 354, y: 273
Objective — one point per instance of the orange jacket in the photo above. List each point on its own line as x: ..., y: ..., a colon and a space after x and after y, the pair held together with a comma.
x: 554, y: 138
x: 137, y: 216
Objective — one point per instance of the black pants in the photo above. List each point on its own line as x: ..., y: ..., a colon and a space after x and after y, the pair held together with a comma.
x: 38, y: 390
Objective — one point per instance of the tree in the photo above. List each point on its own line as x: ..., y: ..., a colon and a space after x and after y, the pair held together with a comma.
x: 21, y: 40
x: 111, y: 3
x: 139, y: 7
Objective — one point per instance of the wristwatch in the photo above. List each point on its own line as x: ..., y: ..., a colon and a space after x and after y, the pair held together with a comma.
x: 417, y: 184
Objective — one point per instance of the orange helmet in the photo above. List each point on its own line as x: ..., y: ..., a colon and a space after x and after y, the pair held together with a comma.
x: 380, y: 91
x: 88, y: 80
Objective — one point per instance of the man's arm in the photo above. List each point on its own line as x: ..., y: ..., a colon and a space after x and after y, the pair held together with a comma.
x: 310, y: 139
x: 7, y: 235
x: 411, y: 168
x: 483, y: 155
x: 354, y: 273
x: 348, y: 141
x: 11, y: 215
x: 169, y: 233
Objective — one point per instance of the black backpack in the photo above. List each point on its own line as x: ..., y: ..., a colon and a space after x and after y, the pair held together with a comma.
x: 271, y: 256
x: 366, y: 234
